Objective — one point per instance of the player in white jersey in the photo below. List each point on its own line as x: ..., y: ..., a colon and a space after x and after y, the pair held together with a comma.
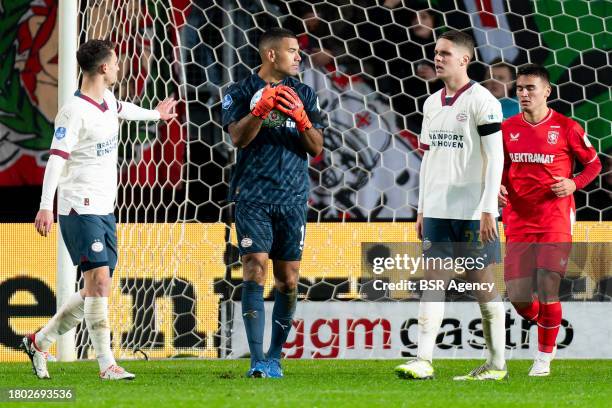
x: 83, y: 163
x: 459, y: 179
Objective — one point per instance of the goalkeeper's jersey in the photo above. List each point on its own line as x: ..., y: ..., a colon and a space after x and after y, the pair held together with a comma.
x: 273, y: 168
x: 86, y: 134
x: 455, y: 167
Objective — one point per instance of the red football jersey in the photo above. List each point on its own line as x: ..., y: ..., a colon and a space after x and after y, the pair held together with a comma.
x: 534, y: 153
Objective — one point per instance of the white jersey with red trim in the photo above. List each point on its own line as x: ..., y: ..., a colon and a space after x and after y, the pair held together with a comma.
x: 455, y: 167
x: 86, y: 135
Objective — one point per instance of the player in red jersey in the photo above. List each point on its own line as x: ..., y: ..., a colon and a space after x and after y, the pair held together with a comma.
x: 540, y: 146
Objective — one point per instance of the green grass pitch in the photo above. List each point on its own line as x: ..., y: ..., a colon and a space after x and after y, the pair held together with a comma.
x: 317, y: 383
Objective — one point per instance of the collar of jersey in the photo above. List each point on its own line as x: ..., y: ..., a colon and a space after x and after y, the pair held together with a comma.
x: 548, y: 116
x: 457, y: 94
x: 102, y: 106
x: 264, y: 83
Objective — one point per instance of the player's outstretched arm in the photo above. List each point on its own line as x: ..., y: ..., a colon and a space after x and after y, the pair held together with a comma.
x: 291, y: 105
x: 164, y: 111
x: 44, y: 217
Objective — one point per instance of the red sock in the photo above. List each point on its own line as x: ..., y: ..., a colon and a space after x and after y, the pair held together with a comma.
x: 549, y: 321
x: 530, y: 312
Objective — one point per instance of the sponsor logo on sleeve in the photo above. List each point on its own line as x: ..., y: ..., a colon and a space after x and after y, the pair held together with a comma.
x: 227, y: 102
x: 246, y: 242
x: 60, y: 133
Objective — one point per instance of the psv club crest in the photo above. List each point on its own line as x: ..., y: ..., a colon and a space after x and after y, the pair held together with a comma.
x: 553, y: 136
x: 461, y: 117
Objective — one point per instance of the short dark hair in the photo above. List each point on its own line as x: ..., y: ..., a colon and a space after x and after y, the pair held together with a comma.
x: 461, y: 39
x: 272, y: 35
x: 534, y: 70
x: 93, y: 53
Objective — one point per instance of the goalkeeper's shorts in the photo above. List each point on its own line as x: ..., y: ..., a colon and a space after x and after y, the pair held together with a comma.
x: 91, y: 240
x: 528, y: 252
x: 447, y: 238
x: 276, y: 229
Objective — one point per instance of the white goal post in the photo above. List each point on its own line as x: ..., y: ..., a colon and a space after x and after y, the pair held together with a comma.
x: 67, y: 84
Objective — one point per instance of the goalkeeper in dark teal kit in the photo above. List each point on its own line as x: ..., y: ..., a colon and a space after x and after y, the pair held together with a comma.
x: 270, y: 186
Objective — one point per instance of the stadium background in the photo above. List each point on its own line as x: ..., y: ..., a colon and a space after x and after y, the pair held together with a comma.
x: 366, y: 59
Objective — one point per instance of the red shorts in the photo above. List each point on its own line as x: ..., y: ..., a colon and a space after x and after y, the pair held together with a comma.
x: 528, y: 252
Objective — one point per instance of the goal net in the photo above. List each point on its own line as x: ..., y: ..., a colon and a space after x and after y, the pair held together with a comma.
x: 178, y: 281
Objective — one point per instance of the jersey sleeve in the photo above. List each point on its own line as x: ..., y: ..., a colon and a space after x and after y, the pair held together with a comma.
x: 129, y: 111
x: 580, y: 145
x: 234, y: 106
x: 312, y: 108
x: 488, y: 115
x: 67, y: 127
x: 424, y: 140
x: 586, y: 154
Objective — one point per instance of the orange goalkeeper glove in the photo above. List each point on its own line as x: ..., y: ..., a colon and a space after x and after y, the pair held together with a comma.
x: 288, y: 102
x: 265, y: 104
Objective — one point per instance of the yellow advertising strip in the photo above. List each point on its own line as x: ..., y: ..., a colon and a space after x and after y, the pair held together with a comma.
x: 166, y: 274
x: 174, y: 264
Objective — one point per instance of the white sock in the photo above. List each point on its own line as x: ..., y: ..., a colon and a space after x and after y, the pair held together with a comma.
x: 494, y: 329
x: 96, y: 317
x: 430, y: 319
x: 67, y: 317
x: 544, y: 356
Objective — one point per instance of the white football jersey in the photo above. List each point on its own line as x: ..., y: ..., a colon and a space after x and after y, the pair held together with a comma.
x: 455, y: 166
x: 86, y: 135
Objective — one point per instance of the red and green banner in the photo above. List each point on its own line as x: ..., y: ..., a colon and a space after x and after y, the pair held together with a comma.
x: 29, y: 80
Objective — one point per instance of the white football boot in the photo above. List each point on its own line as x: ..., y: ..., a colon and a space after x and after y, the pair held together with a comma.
x: 37, y: 357
x: 115, y: 372
x: 416, y: 369
x: 484, y: 373
x: 541, y: 364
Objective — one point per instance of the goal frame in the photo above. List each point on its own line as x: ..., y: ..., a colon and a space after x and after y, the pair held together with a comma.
x: 67, y: 83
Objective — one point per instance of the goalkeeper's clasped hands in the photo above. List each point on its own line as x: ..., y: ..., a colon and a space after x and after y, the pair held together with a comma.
x: 287, y: 101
